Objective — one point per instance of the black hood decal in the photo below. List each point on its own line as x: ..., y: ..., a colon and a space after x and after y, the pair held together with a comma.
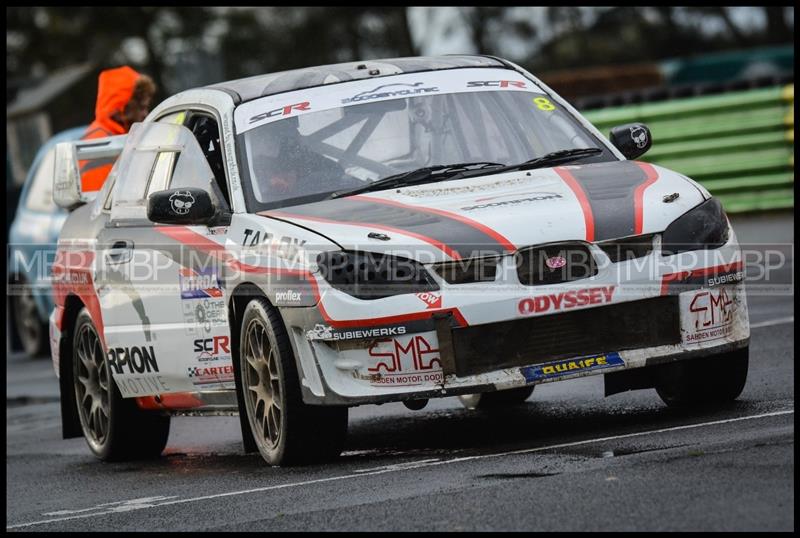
x: 611, y: 196
x: 456, y: 235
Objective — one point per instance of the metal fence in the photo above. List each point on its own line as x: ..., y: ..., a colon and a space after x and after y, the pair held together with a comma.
x: 739, y: 145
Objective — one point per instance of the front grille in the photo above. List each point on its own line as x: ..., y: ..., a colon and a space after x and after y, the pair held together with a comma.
x: 521, y: 342
x: 628, y: 248
x: 468, y: 271
x: 554, y: 264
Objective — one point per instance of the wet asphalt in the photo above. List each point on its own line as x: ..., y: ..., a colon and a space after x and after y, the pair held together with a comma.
x: 569, y: 459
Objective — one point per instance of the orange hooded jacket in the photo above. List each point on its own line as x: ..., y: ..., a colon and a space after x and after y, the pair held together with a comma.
x: 114, y: 90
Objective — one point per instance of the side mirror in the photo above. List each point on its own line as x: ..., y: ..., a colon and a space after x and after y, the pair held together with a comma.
x: 632, y: 139
x: 186, y: 205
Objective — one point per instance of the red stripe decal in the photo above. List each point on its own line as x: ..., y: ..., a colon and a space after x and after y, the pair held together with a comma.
x: 638, y: 195
x: 694, y: 273
x: 431, y: 241
x: 72, y: 273
x: 588, y: 216
x: 501, y: 239
x: 191, y: 238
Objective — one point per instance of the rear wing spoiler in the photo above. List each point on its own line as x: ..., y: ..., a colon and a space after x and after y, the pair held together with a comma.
x: 67, y: 192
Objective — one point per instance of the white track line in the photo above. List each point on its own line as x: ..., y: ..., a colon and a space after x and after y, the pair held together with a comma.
x: 771, y: 322
x: 405, y: 467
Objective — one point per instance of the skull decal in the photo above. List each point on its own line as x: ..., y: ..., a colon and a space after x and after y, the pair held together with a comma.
x: 182, y: 202
x: 639, y: 136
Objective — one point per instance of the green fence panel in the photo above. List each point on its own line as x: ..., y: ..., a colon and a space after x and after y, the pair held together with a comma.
x: 740, y: 145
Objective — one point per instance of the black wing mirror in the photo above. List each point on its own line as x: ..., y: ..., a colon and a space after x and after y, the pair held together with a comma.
x: 181, y: 206
x: 632, y: 139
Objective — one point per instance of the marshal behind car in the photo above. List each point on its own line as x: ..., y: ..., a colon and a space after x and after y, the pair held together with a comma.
x: 290, y: 245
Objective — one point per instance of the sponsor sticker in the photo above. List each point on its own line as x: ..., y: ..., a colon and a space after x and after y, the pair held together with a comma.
x: 570, y: 366
x: 282, y: 111
x: 212, y: 349
x: 325, y: 332
x: 408, y: 361
x: 391, y: 90
x: 202, y: 315
x: 211, y: 375
x: 726, y: 278
x: 432, y: 299
x: 707, y: 314
x: 566, y: 300
x: 535, y: 197
x: 288, y: 296
x: 199, y: 283
x: 133, y: 360
x: 352, y: 93
x: 133, y: 386
x: 136, y: 371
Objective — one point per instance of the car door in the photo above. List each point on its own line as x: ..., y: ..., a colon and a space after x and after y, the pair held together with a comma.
x: 160, y: 286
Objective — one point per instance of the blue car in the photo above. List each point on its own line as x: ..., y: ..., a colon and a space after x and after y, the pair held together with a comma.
x: 32, y: 241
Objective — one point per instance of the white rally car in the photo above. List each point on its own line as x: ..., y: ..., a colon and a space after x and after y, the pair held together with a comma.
x: 292, y: 244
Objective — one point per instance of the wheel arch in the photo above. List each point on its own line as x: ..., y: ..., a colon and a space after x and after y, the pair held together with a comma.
x: 240, y: 296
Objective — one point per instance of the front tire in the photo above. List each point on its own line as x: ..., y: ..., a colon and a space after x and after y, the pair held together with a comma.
x: 114, y: 427
x: 286, y: 430
x: 717, y: 379
x: 493, y: 400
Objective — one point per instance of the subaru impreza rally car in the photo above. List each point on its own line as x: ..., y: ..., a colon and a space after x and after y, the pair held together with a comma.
x: 293, y: 244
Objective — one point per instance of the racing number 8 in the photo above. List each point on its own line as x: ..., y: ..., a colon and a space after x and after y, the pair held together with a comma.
x: 543, y: 103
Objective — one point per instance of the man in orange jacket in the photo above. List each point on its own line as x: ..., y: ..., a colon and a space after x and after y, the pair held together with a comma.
x: 123, y: 98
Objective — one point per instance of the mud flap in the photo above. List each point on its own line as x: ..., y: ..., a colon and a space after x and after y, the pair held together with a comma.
x: 444, y: 335
x: 625, y: 380
x: 70, y: 422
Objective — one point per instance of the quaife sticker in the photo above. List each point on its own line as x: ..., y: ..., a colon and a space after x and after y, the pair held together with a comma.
x: 571, y: 366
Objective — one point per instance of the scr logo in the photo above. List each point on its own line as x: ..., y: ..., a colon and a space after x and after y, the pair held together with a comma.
x: 212, y: 345
x: 495, y: 83
x: 282, y: 111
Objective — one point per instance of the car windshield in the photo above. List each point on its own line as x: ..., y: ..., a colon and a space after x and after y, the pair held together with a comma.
x: 305, y: 145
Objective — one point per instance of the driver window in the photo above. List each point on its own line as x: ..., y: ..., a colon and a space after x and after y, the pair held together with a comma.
x: 158, y: 155
x: 206, y: 131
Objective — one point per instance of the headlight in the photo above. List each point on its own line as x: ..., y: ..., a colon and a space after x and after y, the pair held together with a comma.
x: 704, y: 227
x: 369, y: 275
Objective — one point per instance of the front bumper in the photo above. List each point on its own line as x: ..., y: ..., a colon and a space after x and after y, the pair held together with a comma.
x: 505, y: 335
x: 512, y: 353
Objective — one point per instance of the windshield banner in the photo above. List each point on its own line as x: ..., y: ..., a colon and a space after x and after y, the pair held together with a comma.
x: 292, y: 104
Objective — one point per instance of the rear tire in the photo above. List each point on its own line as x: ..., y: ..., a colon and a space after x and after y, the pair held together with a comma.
x: 501, y: 398
x: 114, y: 427
x: 712, y: 380
x: 286, y: 430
